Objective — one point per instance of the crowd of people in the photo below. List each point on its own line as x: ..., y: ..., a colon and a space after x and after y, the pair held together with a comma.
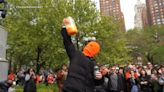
x: 131, y: 78
x: 28, y: 78
x: 84, y: 75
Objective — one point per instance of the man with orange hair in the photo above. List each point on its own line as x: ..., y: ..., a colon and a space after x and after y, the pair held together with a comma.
x: 81, y: 77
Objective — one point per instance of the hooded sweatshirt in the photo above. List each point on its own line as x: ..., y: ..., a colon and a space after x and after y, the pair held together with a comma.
x: 80, y: 76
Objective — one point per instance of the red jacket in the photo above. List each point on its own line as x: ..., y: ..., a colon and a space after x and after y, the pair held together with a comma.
x: 11, y: 76
x: 50, y: 79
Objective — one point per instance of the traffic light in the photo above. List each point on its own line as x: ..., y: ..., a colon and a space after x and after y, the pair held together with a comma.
x: 4, y: 9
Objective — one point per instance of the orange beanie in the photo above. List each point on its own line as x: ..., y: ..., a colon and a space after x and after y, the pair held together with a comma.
x: 91, y: 49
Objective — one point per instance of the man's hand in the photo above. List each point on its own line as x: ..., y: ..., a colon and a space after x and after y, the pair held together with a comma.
x: 98, y: 76
x: 65, y: 22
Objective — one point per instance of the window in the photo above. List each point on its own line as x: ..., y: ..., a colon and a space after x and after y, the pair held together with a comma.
x: 161, y: 9
x: 159, y: 22
x: 157, y: 14
x: 162, y: 16
x: 155, y: 4
x: 158, y: 17
x: 153, y: 20
x: 152, y: 8
x: 156, y: 7
x: 152, y: 11
x: 155, y: 1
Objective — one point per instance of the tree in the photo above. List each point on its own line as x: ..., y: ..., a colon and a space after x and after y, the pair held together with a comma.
x: 34, y: 29
x: 145, y: 43
x: 112, y: 40
x: 34, y: 32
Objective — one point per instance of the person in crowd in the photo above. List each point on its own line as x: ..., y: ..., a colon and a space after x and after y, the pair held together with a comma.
x: 154, y: 71
x: 159, y: 71
x: 149, y: 68
x: 46, y: 75
x: 38, y: 79
x: 161, y: 79
x: 64, y: 67
x: 128, y: 72
x: 50, y: 78
x: 144, y: 82
x: 21, y: 77
x: 65, y: 71
x: 114, y: 81
x: 11, y: 76
x: 154, y: 82
x: 61, y: 77
x: 131, y: 80
x: 42, y: 75
x: 80, y: 76
x: 11, y: 88
x: 122, y: 80
x: 30, y: 85
x: 103, y: 87
x: 5, y: 85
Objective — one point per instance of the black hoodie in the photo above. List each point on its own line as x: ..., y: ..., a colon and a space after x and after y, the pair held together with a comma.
x: 80, y: 76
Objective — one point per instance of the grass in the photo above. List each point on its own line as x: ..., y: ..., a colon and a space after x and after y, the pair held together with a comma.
x: 40, y: 88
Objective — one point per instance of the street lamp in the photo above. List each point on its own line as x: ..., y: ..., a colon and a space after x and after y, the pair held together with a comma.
x: 3, y: 11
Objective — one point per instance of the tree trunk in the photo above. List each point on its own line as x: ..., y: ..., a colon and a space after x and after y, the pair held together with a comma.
x: 39, y: 50
x: 150, y: 58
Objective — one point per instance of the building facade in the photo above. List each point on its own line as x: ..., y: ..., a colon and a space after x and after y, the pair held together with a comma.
x: 144, y: 17
x: 112, y: 8
x: 155, y: 12
x: 140, y: 19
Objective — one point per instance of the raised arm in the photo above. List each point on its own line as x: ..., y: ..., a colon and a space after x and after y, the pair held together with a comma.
x: 70, y: 48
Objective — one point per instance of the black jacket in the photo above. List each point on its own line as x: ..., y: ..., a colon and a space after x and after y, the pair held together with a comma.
x: 110, y: 83
x: 80, y: 76
x: 4, y: 86
x: 145, y: 87
x: 30, y: 86
x: 122, y: 82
